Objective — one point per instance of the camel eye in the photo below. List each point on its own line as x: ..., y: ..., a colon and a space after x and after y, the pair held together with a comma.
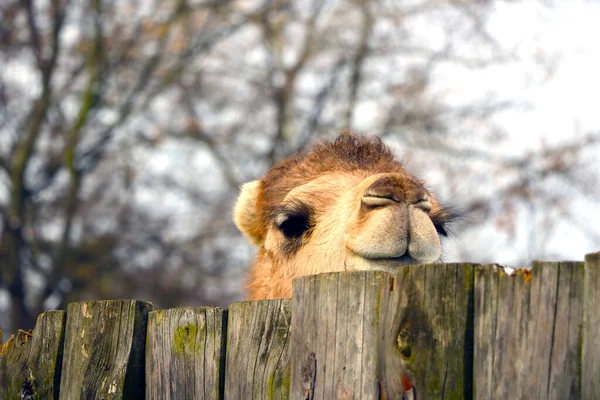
x: 293, y: 226
x: 294, y: 219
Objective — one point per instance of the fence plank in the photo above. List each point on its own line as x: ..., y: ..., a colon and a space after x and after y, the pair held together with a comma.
x: 590, y: 387
x: 104, y: 350
x: 185, y: 353
x: 527, y: 332
x: 335, y: 331
x: 428, y: 322
x: 258, y: 350
x: 30, y: 367
x: 366, y: 334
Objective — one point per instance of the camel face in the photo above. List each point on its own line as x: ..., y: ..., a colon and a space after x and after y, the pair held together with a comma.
x: 342, y: 206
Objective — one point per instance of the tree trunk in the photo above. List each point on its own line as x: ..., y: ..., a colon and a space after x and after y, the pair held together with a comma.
x: 21, y: 317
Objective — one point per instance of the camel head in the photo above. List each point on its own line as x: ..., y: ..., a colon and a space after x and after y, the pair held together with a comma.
x: 343, y: 205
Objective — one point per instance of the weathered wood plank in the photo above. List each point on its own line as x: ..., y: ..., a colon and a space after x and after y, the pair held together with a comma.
x: 527, y: 332
x: 371, y: 334
x: 30, y: 367
x: 428, y: 331
x: 590, y: 379
x: 565, y: 361
x: 258, y: 350
x: 185, y: 353
x: 335, y: 335
x: 104, y: 350
x: 486, y: 306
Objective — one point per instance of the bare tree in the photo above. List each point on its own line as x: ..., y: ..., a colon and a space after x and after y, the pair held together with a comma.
x: 97, y: 65
x: 126, y: 129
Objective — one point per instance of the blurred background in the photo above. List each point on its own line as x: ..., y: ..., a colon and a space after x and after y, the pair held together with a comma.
x: 127, y: 127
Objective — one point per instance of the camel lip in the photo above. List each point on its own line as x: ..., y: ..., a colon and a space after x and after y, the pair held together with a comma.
x: 382, y: 263
x: 402, y: 258
x: 393, y: 262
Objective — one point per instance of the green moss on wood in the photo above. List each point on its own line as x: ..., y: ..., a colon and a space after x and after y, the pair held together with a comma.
x: 271, y: 387
x: 185, y: 338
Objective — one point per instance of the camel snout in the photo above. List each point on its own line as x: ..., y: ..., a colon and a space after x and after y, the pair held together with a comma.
x: 391, y: 189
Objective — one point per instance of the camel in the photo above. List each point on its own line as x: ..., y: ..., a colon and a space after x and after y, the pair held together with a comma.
x: 342, y: 205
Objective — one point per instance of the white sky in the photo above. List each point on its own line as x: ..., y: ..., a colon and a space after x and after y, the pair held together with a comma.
x: 566, y: 97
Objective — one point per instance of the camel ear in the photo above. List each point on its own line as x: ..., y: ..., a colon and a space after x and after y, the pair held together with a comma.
x: 245, y: 213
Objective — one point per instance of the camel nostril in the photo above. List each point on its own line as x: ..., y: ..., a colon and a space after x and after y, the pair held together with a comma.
x: 423, y: 203
x: 385, y: 188
x: 385, y: 191
x: 375, y: 201
x: 379, y: 196
x: 396, y: 188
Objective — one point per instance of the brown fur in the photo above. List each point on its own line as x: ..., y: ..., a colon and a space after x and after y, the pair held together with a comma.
x: 358, y: 203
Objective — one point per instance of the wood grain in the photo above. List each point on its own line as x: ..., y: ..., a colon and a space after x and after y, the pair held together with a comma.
x: 335, y: 330
x: 185, y: 353
x: 375, y: 335
x: 258, y: 350
x: 527, y: 332
x: 428, y: 331
x: 30, y: 367
x: 449, y: 331
x: 104, y: 350
x: 590, y: 380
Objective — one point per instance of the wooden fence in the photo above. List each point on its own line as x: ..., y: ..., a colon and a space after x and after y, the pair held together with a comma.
x: 435, y: 331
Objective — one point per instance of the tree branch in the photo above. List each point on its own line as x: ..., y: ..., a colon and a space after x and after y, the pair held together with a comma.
x: 283, y: 93
x: 357, y: 63
x: 319, y: 104
x: 24, y: 147
x: 5, y: 166
x: 34, y: 35
x: 90, y: 99
x: 195, y: 131
x: 89, y: 158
